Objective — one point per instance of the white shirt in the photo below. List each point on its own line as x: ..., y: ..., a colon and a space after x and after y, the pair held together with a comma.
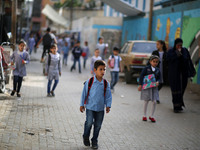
x: 116, y: 66
x: 153, y: 69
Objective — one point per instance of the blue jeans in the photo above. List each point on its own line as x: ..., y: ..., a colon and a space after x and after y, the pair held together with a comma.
x: 84, y: 62
x: 74, y: 65
x: 49, y: 85
x: 114, y: 78
x: 93, y: 118
x: 65, y: 56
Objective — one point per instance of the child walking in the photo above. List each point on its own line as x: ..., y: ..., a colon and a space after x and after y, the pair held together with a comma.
x: 114, y: 62
x: 65, y: 51
x: 93, y: 59
x: 150, y: 94
x: 85, y: 54
x: 53, y: 69
x: 19, y: 59
x: 31, y: 43
x: 77, y: 51
x: 161, y: 52
x: 96, y: 95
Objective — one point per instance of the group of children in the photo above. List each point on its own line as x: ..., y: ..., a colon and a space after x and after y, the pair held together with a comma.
x: 20, y: 58
x: 93, y: 100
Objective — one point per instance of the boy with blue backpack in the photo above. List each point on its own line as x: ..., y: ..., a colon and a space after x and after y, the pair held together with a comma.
x: 114, y: 63
x: 96, y: 95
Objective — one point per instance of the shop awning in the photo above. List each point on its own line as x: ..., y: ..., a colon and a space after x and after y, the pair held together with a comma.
x: 123, y: 7
x: 54, y: 16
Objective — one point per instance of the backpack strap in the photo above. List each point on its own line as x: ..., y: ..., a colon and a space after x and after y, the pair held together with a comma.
x: 105, y: 86
x: 89, y: 87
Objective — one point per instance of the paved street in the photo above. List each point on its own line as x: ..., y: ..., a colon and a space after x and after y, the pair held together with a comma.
x: 40, y: 123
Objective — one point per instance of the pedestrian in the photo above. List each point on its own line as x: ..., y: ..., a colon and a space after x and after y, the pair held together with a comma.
x: 180, y: 69
x: 60, y: 43
x: 65, y: 51
x: 53, y: 69
x: 31, y: 43
x: 47, y: 39
x: 19, y: 59
x: 77, y: 51
x: 102, y: 47
x: 161, y: 52
x: 85, y: 54
x: 96, y: 95
x: 114, y: 62
x: 93, y: 59
x: 150, y: 94
x: 37, y: 39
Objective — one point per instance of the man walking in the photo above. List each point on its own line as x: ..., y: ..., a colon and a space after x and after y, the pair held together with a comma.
x: 47, y: 39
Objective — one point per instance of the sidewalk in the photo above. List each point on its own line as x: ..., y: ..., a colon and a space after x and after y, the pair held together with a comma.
x: 37, y: 122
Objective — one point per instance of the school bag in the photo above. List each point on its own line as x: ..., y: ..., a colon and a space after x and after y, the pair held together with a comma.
x: 90, y: 85
x: 112, y: 62
x: 47, y: 39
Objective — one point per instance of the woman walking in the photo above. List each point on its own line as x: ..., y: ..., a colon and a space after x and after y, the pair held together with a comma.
x: 180, y: 69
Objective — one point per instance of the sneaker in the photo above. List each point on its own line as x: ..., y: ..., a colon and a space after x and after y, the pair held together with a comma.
x: 94, y: 145
x: 48, y: 95
x: 18, y: 95
x: 152, y: 119
x: 86, y: 141
x: 12, y: 93
x: 178, y: 109
x: 158, y: 102
x: 52, y: 93
x: 144, y: 119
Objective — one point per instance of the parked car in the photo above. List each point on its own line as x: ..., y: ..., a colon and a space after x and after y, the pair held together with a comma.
x: 135, y: 56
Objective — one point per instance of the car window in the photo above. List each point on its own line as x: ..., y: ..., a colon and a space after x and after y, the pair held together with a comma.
x: 124, y: 47
x: 144, y: 47
x: 128, y: 47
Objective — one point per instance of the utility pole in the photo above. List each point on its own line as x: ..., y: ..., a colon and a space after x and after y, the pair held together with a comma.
x: 150, y: 20
x: 14, y: 22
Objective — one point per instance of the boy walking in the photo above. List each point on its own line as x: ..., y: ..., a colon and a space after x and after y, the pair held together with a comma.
x: 77, y: 51
x: 96, y: 96
x: 114, y: 62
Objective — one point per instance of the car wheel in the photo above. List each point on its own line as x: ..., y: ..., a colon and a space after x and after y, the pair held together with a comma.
x: 128, y: 76
x: 2, y: 87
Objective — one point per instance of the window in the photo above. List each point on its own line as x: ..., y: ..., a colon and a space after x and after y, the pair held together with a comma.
x: 124, y: 47
x: 144, y: 47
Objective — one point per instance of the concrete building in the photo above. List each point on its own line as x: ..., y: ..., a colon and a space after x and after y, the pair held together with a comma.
x: 171, y: 19
x: 91, y: 28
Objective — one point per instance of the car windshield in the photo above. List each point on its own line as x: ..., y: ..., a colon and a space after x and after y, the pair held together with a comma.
x: 144, y: 47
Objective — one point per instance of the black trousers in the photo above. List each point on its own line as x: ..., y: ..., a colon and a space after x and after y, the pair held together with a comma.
x: 160, y: 86
x: 17, y: 83
x: 46, y: 49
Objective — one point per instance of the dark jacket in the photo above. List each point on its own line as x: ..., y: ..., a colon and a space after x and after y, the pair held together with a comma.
x: 165, y: 65
x: 77, y: 51
x: 147, y: 71
x: 180, y: 63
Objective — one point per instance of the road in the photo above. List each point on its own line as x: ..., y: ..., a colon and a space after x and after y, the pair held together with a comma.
x: 38, y: 122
